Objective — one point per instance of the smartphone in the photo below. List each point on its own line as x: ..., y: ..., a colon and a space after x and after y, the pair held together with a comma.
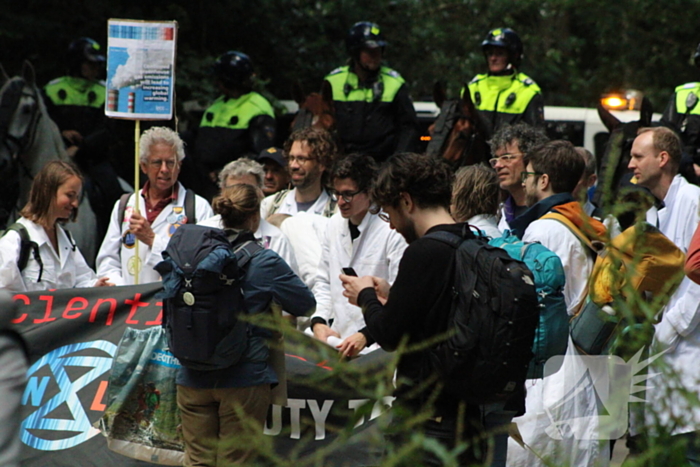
x: 349, y: 272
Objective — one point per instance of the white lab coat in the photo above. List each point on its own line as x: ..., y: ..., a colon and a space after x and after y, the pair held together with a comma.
x: 376, y: 252
x: 271, y: 237
x: 305, y: 232
x: 63, y: 271
x: 114, y: 259
x: 289, y: 205
x: 551, y: 411
x: 677, y: 332
x: 487, y: 224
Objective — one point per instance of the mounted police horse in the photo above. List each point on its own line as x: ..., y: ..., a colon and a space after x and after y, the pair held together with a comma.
x: 28, y: 140
x: 615, y: 187
x: 458, y: 135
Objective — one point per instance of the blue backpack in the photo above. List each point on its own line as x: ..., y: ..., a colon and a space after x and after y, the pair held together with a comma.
x: 552, y: 334
x: 202, y: 275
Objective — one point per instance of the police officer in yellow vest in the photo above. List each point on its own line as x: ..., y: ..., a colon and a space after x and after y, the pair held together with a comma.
x: 682, y: 114
x: 503, y: 95
x: 373, y: 109
x: 240, y: 122
x: 76, y: 101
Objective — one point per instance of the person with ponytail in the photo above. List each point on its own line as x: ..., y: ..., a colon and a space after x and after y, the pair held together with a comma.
x: 223, y: 411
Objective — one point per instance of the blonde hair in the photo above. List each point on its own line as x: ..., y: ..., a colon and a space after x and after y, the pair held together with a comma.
x: 237, y: 204
x: 475, y: 191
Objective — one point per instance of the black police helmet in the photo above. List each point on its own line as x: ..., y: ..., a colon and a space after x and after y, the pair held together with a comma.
x: 234, y: 69
x: 364, y: 34
x: 83, y: 50
x: 508, y: 39
x: 696, y: 56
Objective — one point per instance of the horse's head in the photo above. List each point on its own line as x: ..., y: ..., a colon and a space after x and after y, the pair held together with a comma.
x: 315, y: 109
x: 613, y: 173
x: 458, y: 135
x: 28, y: 137
x: 19, y: 114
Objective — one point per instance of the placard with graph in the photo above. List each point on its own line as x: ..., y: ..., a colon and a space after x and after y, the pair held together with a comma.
x: 141, y: 69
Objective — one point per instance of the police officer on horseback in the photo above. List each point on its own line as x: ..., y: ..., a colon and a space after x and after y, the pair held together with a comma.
x: 504, y: 95
x: 76, y: 101
x: 682, y: 115
x: 374, y: 111
x: 240, y: 122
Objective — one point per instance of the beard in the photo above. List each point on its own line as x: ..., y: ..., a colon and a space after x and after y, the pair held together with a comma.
x: 408, y: 231
x: 530, y: 197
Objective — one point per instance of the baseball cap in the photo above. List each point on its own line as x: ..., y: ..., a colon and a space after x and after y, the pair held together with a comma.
x: 274, y: 154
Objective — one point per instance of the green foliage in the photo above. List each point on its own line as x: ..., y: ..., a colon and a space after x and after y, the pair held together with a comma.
x: 575, y: 50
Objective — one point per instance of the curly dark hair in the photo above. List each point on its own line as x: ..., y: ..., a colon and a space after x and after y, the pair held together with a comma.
x: 527, y: 136
x: 321, y: 144
x: 426, y: 178
x: 360, y: 168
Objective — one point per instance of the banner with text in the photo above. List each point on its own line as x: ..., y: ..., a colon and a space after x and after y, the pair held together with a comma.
x: 72, y: 336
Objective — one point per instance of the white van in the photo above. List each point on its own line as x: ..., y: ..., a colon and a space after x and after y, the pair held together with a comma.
x: 580, y: 125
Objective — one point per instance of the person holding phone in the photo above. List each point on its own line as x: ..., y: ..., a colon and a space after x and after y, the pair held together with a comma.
x: 356, y: 242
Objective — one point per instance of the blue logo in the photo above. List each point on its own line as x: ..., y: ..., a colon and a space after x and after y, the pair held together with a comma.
x: 68, y: 367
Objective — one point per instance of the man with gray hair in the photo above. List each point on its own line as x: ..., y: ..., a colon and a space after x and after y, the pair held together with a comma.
x: 510, y: 147
x: 249, y: 172
x: 162, y: 207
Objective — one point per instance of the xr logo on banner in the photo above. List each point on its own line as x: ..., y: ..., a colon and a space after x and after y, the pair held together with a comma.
x: 61, y: 422
x: 587, y: 397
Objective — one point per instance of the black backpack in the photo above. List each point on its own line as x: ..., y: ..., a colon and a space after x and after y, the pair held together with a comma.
x: 202, y: 273
x: 492, y: 323
x: 27, y: 247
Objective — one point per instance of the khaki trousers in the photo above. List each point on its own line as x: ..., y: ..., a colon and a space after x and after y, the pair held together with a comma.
x: 222, y: 427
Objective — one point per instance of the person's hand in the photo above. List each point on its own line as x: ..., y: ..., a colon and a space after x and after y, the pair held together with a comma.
x: 73, y: 137
x: 354, y: 285
x: 323, y: 331
x: 141, y: 228
x: 382, y: 288
x: 352, y: 345
x: 103, y: 282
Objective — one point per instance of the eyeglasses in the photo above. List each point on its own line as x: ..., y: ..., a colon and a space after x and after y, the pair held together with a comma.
x: 156, y: 164
x: 504, y: 159
x: 524, y: 175
x: 384, y: 216
x: 301, y: 160
x: 346, y: 195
